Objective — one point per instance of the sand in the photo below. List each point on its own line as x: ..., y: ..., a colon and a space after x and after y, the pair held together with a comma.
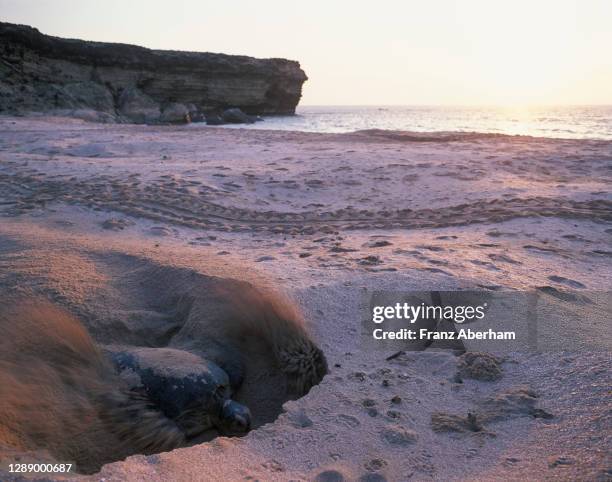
x: 102, y: 219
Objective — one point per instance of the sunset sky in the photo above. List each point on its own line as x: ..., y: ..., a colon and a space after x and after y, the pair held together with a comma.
x: 471, y: 52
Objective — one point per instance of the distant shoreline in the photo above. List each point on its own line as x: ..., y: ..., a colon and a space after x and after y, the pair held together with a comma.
x: 561, y: 122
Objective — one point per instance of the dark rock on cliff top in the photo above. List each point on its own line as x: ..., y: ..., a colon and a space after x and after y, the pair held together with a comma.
x: 107, y: 81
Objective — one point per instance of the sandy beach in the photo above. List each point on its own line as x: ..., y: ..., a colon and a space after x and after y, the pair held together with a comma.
x: 104, y: 219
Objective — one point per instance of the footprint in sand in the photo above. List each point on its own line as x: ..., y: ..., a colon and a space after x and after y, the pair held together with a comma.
x: 398, y: 436
x: 566, y: 281
x: 116, y: 224
x: 330, y: 476
x: 378, y: 243
x: 347, y: 421
x: 160, y: 231
x: 486, y: 264
x: 436, y: 270
x: 374, y: 477
x: 375, y: 465
x: 430, y: 248
x: 265, y: 258
x: 502, y: 258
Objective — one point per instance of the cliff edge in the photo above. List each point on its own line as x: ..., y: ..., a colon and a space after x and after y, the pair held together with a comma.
x: 126, y: 83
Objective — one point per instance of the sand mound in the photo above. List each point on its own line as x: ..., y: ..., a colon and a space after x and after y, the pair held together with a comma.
x: 52, y: 376
x: 65, y: 397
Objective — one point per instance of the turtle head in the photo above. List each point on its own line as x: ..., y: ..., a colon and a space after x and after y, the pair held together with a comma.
x: 235, y: 418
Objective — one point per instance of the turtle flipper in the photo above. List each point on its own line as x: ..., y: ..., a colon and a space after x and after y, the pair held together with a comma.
x: 140, y: 427
x: 303, y: 363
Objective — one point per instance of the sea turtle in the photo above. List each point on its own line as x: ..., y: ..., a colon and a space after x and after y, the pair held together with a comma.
x: 185, y: 388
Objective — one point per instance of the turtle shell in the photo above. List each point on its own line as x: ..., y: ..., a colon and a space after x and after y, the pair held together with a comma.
x: 175, y: 381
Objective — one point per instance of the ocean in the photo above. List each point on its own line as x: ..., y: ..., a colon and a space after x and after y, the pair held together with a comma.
x: 572, y: 122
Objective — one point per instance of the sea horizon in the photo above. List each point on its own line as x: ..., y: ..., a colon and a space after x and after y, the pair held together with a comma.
x: 560, y: 121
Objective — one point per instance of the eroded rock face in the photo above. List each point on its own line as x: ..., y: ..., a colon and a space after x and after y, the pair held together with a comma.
x: 137, y: 106
x: 40, y: 73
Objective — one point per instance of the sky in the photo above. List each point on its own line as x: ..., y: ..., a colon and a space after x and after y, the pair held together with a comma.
x: 410, y: 52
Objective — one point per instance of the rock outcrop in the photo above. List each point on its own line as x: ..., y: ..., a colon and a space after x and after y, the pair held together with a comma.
x: 127, y: 83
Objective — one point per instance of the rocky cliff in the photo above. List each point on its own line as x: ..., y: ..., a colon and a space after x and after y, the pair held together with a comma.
x: 119, y: 82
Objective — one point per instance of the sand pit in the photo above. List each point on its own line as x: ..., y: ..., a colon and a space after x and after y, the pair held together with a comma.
x: 62, y: 394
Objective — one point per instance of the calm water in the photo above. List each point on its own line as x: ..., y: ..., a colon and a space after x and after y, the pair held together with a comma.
x: 568, y: 122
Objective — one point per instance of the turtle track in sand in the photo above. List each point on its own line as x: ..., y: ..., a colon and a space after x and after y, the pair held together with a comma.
x: 177, y: 206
